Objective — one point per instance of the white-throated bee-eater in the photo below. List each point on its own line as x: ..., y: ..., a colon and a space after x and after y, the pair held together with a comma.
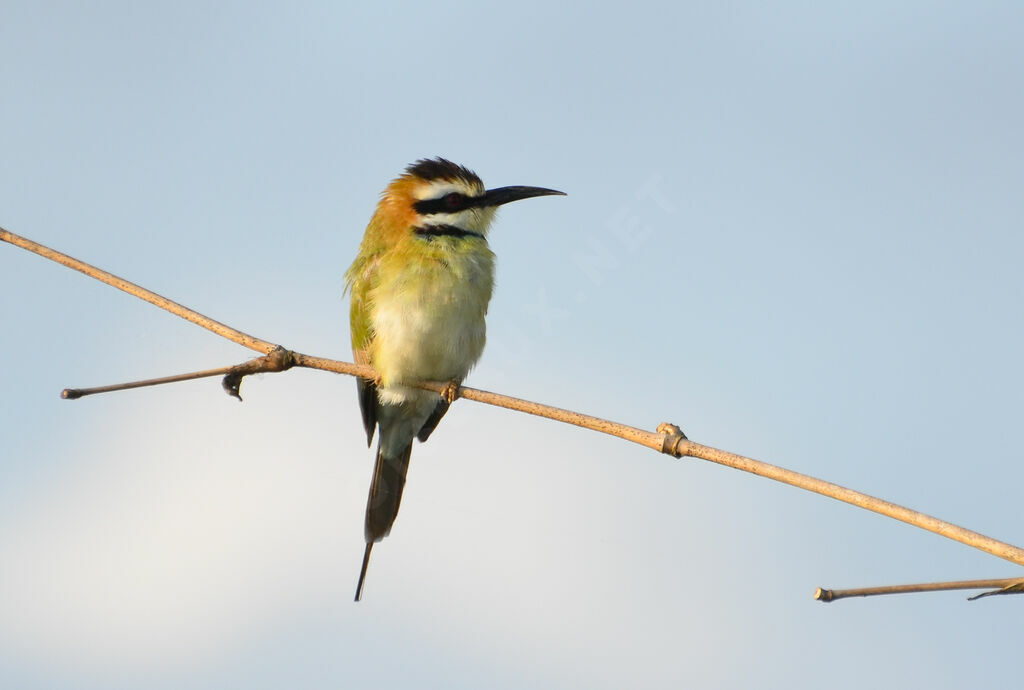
x: 420, y: 288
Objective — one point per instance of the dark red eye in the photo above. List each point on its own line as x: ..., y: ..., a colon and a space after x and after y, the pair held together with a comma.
x: 453, y: 201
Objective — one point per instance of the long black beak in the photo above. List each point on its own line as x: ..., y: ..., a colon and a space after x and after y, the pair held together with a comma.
x: 503, y: 195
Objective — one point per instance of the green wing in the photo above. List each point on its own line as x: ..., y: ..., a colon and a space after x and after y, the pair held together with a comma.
x: 359, y: 280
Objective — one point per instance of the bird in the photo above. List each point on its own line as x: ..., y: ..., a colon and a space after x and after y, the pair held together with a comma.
x: 419, y: 289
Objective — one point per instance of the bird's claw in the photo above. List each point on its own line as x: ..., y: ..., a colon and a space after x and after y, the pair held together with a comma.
x: 450, y: 392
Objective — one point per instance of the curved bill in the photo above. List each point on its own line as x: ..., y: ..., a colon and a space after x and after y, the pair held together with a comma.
x: 503, y: 195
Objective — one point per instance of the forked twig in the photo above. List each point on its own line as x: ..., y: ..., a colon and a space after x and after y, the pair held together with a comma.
x: 1007, y: 585
x: 667, y: 439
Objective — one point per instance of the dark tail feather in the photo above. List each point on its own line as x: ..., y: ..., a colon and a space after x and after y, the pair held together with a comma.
x: 362, y: 571
x: 385, y: 493
x: 432, y: 421
x: 383, y: 501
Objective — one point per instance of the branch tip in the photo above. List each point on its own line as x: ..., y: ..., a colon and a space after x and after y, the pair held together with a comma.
x: 1014, y: 588
x: 1005, y: 585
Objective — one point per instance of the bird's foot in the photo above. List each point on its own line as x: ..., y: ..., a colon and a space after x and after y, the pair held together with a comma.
x: 451, y: 391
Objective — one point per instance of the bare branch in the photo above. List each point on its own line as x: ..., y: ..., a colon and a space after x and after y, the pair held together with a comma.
x: 1008, y: 585
x: 1011, y: 553
x: 668, y: 439
x: 76, y: 393
x: 140, y: 292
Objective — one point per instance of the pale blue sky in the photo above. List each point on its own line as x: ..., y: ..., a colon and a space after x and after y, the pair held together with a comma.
x: 793, y: 229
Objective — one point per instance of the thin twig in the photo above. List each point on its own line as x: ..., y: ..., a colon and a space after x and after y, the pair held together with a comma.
x: 1006, y: 585
x: 1011, y: 553
x: 668, y: 439
x: 644, y: 438
x: 76, y: 393
x: 140, y: 292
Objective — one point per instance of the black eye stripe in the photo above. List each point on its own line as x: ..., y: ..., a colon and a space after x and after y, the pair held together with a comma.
x: 453, y: 202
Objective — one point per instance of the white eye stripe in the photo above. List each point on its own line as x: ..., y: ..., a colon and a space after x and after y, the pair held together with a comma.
x: 464, y: 220
x: 472, y: 220
x: 436, y: 189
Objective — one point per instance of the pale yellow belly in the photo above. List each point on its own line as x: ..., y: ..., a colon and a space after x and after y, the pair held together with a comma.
x: 432, y: 327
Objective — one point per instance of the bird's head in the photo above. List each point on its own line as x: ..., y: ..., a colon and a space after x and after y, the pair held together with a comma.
x: 436, y: 196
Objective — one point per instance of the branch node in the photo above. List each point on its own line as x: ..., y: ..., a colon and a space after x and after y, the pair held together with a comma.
x: 71, y: 394
x: 673, y: 438
x: 823, y: 594
x: 278, y: 359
